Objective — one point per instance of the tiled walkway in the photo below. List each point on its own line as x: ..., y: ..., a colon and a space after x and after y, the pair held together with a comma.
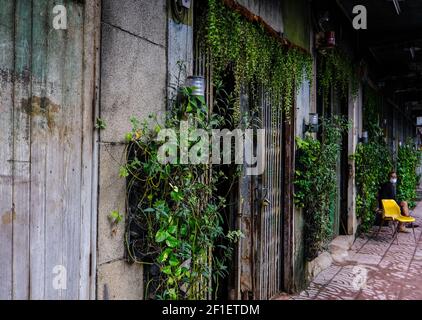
x: 375, y: 269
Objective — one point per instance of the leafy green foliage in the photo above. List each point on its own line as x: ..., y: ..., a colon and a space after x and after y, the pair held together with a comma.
x: 115, y: 217
x: 408, y: 159
x: 256, y: 58
x: 373, y: 162
x: 337, y: 72
x: 315, y: 182
x: 175, y: 220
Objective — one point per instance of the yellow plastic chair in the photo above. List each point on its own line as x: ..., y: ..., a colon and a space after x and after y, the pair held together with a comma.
x: 391, y: 211
x: 384, y: 219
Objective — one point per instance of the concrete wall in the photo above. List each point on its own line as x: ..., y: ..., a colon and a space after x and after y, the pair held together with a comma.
x: 133, y: 82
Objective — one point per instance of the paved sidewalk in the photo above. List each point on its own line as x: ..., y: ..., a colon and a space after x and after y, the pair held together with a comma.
x: 375, y: 269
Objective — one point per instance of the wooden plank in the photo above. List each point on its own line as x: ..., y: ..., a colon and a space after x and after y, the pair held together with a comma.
x: 54, y: 179
x: 251, y: 5
x: 6, y: 146
x: 269, y: 11
x: 21, y: 147
x: 88, y: 187
x: 95, y: 101
x: 39, y: 133
x: 47, y: 91
x: 70, y: 134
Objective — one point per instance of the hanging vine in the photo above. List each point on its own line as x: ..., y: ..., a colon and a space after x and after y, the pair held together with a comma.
x: 338, y: 72
x: 254, y: 56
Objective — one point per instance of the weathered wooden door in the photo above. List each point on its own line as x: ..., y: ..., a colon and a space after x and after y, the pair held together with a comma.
x: 47, y: 89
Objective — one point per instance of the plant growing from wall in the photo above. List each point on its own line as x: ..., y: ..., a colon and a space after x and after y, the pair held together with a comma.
x: 315, y: 182
x: 174, y: 221
x: 338, y: 72
x: 256, y: 58
x: 408, y: 159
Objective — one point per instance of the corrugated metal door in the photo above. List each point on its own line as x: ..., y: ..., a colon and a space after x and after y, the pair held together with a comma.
x: 47, y: 88
x: 261, y: 209
x: 269, y: 207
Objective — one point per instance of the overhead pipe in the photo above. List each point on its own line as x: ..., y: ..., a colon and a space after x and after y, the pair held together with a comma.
x: 397, y: 6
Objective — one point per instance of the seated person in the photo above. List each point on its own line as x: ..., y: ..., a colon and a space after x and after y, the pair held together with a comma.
x: 388, y: 191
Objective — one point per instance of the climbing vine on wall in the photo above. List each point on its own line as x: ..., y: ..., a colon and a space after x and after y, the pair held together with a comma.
x: 373, y: 162
x: 315, y: 181
x: 336, y: 71
x: 408, y: 159
x: 175, y: 222
x: 255, y: 57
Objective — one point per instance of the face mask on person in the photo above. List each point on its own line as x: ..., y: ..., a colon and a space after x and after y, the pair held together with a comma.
x: 393, y: 180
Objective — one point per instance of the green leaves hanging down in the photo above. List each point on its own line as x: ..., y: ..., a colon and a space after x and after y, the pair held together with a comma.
x: 338, y: 72
x: 315, y: 182
x: 408, y: 159
x: 255, y: 57
x: 372, y: 112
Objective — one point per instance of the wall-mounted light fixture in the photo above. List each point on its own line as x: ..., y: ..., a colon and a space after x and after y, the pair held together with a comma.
x: 364, y: 138
x: 197, y: 83
x: 312, y: 126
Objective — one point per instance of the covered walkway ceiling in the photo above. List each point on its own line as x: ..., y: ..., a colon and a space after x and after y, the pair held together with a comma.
x: 393, y: 46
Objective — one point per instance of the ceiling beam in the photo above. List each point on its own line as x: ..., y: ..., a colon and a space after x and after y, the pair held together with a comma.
x: 384, y: 38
